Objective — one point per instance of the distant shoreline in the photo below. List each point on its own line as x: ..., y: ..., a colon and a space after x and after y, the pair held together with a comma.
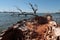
x: 27, y: 12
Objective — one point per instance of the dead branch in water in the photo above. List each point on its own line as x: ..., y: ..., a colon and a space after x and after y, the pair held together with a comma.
x: 34, y: 8
x: 19, y: 9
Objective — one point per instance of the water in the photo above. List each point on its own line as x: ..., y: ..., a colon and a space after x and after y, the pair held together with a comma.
x: 6, y: 20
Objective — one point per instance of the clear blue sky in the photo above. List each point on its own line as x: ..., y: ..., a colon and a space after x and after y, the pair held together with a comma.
x: 43, y: 5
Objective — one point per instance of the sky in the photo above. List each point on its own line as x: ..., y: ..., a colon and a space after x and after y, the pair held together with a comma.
x: 43, y: 5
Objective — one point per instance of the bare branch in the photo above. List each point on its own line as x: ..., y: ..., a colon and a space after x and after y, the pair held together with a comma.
x: 34, y: 8
x: 31, y: 6
x: 19, y: 9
